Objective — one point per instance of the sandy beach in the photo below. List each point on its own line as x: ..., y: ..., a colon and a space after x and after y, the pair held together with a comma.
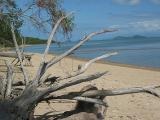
x: 139, y: 106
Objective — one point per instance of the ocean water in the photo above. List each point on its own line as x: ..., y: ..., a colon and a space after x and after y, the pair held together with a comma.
x: 144, y: 52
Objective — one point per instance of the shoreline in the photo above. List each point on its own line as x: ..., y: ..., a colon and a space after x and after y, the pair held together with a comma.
x: 99, y: 61
x: 107, y: 62
x: 115, y: 63
x: 20, y: 46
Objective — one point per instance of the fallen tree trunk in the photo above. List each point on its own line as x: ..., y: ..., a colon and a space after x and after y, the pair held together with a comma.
x: 24, y: 56
x: 14, y: 54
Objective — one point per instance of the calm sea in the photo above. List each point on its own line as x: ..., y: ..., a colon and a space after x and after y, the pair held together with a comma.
x: 144, y: 52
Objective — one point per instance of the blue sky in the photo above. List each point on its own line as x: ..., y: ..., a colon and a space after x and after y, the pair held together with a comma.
x: 131, y: 17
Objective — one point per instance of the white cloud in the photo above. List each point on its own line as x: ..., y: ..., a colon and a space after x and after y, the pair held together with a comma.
x: 130, y: 2
x: 149, y: 26
x: 156, y: 1
x: 134, y: 2
x: 152, y: 25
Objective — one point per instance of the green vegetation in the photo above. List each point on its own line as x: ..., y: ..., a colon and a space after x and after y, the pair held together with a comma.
x: 11, y: 13
x: 31, y: 40
x: 7, y: 16
x: 6, y: 35
x: 28, y: 41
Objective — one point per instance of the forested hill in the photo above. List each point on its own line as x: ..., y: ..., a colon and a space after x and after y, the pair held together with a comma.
x: 6, y: 35
x: 28, y: 40
x: 32, y: 40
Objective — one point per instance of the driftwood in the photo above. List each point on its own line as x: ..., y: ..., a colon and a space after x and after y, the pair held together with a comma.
x: 93, y: 110
x: 112, y: 92
x: 32, y: 92
x: 25, y: 57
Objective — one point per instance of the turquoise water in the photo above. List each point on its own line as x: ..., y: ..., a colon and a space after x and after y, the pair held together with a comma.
x: 143, y: 52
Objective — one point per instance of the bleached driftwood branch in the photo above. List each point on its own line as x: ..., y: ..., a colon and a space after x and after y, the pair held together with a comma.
x: 86, y: 38
x: 84, y: 67
x: 9, y: 79
x: 13, y: 54
x: 92, y: 93
x: 57, y: 59
x: 45, y: 65
x: 42, y: 68
x: 26, y: 79
x: 114, y: 92
x: 122, y: 91
x: 91, y: 100
x: 72, y: 82
x: 25, y: 56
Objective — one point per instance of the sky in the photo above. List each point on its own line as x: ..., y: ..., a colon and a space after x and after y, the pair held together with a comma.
x: 130, y: 17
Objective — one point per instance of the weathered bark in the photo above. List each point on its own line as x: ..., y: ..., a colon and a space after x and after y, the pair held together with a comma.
x: 23, y: 105
x: 25, y: 57
x: 14, y: 55
x: 19, y: 56
x: 20, y: 108
x: 9, y: 80
x: 5, y: 113
x: 112, y: 92
x: 86, y: 110
x: 84, y: 67
x: 2, y: 87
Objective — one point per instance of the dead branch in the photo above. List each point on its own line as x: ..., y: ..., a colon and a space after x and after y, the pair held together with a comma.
x: 44, y: 78
x: 86, y: 38
x: 84, y: 67
x: 52, y: 35
x: 84, y: 99
x: 126, y: 91
x: 114, y: 92
x: 14, y: 55
x: 2, y: 87
x: 43, y: 64
x: 91, y: 100
x: 153, y: 92
x: 25, y: 56
x: 121, y: 91
x: 72, y: 82
x: 26, y: 79
x: 9, y: 79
